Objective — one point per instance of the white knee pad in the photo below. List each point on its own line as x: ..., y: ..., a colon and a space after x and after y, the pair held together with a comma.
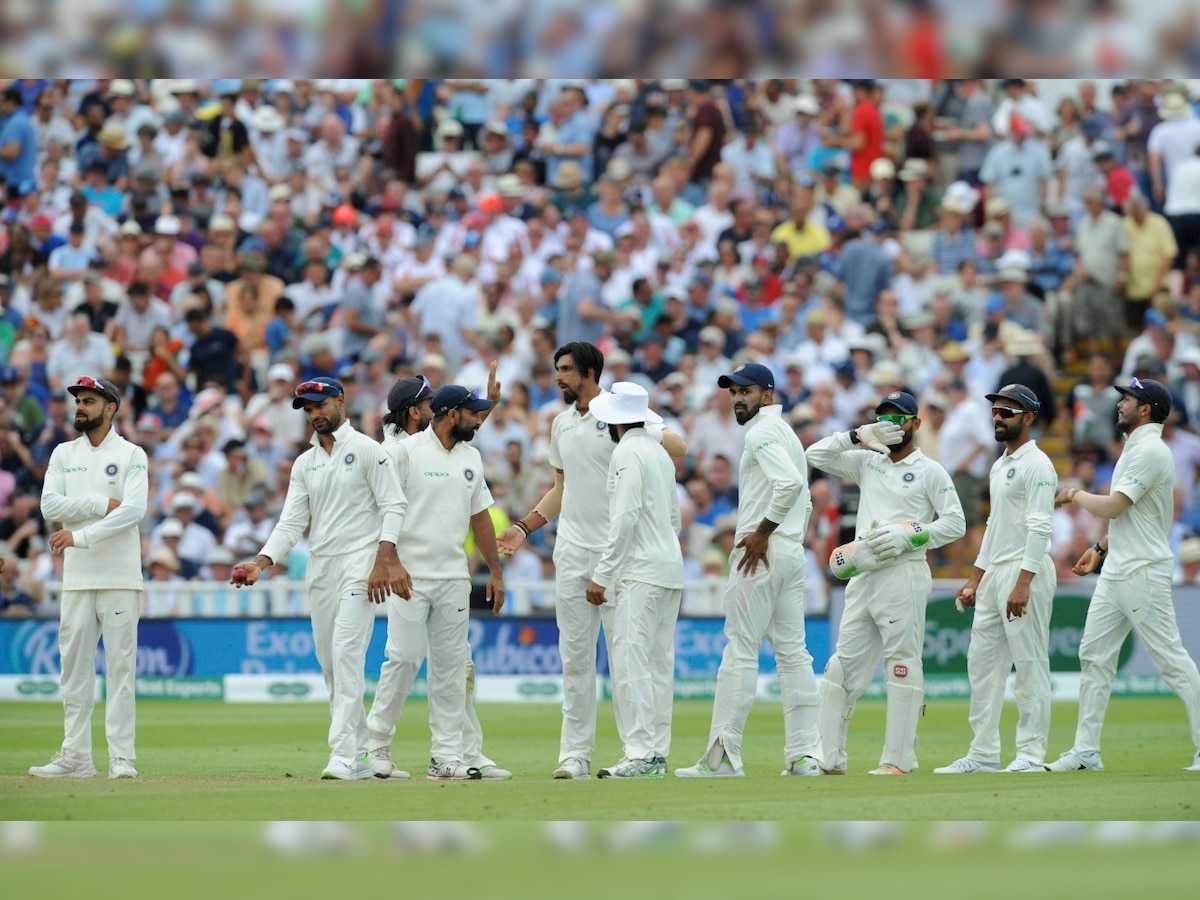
x: 833, y: 716
x: 905, y: 693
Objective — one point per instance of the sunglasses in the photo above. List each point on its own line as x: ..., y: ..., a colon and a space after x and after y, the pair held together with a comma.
x: 474, y: 395
x: 894, y: 419
x: 87, y: 381
x: 316, y: 387
x: 1005, y: 413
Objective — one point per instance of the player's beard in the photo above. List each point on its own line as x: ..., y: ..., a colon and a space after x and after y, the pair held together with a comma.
x: 332, y: 422
x: 745, y: 415
x: 86, y: 425
x: 570, y: 397
x: 905, y: 440
x: 461, y: 431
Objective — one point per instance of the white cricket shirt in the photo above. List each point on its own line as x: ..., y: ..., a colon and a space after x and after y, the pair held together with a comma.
x: 1145, y: 473
x: 642, y: 543
x: 893, y: 492
x: 773, y: 477
x: 1022, y: 514
x: 444, y: 489
x: 351, y: 497
x: 80, y: 480
x: 581, y: 448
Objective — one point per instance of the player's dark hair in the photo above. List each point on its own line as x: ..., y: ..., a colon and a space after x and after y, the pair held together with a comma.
x: 587, y: 357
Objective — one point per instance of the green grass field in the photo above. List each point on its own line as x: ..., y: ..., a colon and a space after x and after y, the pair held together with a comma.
x: 214, y: 761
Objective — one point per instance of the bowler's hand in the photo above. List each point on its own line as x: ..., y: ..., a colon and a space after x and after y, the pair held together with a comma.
x: 1065, y: 496
x: 61, y: 540
x: 966, y: 595
x: 510, y: 539
x: 755, y: 545
x: 1087, y: 563
x: 1018, y: 601
x: 495, y: 593
x: 595, y: 594
x: 253, y: 573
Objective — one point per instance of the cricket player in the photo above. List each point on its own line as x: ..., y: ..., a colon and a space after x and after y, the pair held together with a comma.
x: 442, y: 477
x: 1134, y: 589
x: 764, y: 595
x: 580, y: 451
x: 409, y: 413
x: 96, y: 486
x: 907, y: 504
x: 642, y: 564
x: 1012, y: 590
x: 344, y: 491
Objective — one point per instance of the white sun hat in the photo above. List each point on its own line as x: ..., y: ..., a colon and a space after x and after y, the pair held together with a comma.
x: 625, y: 404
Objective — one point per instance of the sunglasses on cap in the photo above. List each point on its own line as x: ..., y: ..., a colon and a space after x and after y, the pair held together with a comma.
x: 1134, y: 384
x: 316, y: 387
x: 894, y: 418
x: 87, y: 381
x: 1006, y: 412
x: 474, y: 395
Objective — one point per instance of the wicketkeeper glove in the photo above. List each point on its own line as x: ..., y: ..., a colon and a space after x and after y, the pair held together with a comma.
x: 852, y: 559
x: 892, y: 540
x: 879, y: 436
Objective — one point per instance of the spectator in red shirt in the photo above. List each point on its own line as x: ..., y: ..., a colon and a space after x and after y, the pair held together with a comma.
x: 708, y: 133
x: 864, y: 139
x: 1119, y: 182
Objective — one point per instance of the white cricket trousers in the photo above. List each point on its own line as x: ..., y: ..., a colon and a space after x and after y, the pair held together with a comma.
x: 396, y: 679
x: 643, y: 665
x: 342, y: 620
x: 433, y: 622
x: 769, y: 603
x: 997, y: 645
x: 85, y: 617
x: 1144, y: 603
x: 578, y: 630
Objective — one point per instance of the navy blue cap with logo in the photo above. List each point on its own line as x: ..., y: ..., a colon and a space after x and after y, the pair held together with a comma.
x: 317, y: 389
x: 1154, y: 393
x: 901, y: 401
x: 455, y: 396
x: 1019, y: 394
x: 747, y: 374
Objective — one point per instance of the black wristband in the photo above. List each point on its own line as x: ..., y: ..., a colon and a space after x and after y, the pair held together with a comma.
x: 1096, y: 546
x: 854, y: 437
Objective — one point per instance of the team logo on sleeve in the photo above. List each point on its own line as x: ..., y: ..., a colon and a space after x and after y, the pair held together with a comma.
x: 469, y: 474
x: 909, y: 476
x: 349, y: 460
x: 110, y: 470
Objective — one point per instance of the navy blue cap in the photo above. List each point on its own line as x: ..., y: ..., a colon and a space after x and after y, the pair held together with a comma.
x: 1155, y: 393
x: 9, y: 375
x: 749, y: 373
x: 902, y: 401
x: 317, y: 389
x: 408, y: 392
x: 1017, y: 393
x: 455, y: 396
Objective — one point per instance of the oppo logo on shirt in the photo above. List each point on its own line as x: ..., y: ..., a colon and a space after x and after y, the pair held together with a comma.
x: 74, y: 470
x: 436, y: 474
x: 314, y: 468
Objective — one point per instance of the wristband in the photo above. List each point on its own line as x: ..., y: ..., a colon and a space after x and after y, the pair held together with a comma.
x: 1096, y: 546
x: 854, y: 437
x: 521, y: 524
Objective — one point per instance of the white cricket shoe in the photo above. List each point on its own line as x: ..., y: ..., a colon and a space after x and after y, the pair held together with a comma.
x: 703, y: 770
x: 1076, y: 762
x: 573, y: 768
x: 454, y: 770
x: 382, y: 765
x: 347, y: 770
x: 806, y: 766
x: 655, y: 767
x: 1024, y: 765
x: 887, y: 769
x: 120, y: 767
x: 65, y: 765
x: 967, y: 766
x: 494, y: 773
x: 1195, y: 766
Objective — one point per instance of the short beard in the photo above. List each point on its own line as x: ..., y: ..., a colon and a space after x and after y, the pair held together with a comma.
x: 904, y: 441
x: 332, y: 422
x: 89, y: 425
x: 569, y: 396
x: 461, y: 431
x: 750, y: 413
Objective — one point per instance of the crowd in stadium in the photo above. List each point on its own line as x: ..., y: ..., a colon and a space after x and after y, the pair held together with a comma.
x: 208, y: 244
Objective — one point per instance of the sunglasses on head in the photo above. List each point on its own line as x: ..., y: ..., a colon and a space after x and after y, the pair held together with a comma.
x: 316, y: 387
x: 474, y: 395
x: 894, y: 418
x: 1005, y: 412
x: 87, y: 381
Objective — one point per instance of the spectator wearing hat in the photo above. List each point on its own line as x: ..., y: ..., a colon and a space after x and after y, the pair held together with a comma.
x: 1018, y: 170
x: 1018, y: 99
x: 750, y: 155
x: 574, y: 137
x: 918, y: 203
x: 1102, y: 271
x: 48, y: 120
x: 440, y: 171
x: 1120, y: 183
x: 1026, y: 355
x: 864, y: 136
x: 1182, y: 207
x: 1171, y: 141
x: 836, y: 196
x: 18, y: 141
x: 335, y: 149
x: 966, y: 449
x: 798, y: 140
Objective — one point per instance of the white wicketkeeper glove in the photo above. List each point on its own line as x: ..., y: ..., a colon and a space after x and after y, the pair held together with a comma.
x: 892, y: 540
x: 879, y: 436
x: 852, y: 559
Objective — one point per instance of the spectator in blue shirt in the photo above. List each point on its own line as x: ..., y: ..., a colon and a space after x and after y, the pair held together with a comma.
x: 18, y: 141
x: 575, y: 136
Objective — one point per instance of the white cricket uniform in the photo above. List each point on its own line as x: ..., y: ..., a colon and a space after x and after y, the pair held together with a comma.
x: 1017, y: 539
x: 102, y: 582
x: 885, y: 608
x: 1134, y: 590
x: 349, y: 500
x: 444, y: 489
x: 399, y: 672
x: 772, y: 484
x: 581, y: 448
x: 642, y: 566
